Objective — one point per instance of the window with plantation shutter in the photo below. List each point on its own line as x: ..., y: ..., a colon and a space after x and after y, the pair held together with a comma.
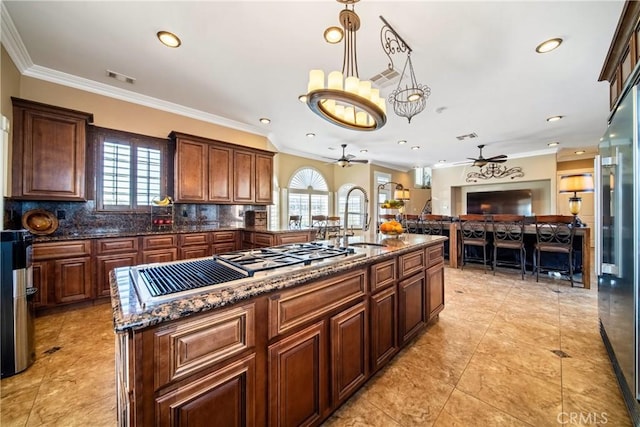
x: 131, y: 170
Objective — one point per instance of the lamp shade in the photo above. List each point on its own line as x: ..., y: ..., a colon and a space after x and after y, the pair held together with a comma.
x: 576, y: 183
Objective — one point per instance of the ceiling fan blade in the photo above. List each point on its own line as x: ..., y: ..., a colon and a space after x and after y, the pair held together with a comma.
x: 475, y: 160
x: 500, y: 156
x: 492, y: 160
x: 358, y: 161
x: 480, y: 163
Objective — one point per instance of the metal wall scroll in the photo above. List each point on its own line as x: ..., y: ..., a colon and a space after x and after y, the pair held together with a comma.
x: 494, y: 170
x: 392, y: 43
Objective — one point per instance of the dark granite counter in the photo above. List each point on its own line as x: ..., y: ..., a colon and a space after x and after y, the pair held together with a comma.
x: 129, y: 314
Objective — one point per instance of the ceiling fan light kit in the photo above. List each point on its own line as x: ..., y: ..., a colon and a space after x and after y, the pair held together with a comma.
x: 346, y: 159
x: 345, y: 100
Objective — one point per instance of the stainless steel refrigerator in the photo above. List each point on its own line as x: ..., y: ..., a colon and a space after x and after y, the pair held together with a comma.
x: 617, y: 247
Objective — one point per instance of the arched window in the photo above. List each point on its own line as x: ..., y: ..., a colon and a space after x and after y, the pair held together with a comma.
x: 308, y: 195
x: 356, y: 205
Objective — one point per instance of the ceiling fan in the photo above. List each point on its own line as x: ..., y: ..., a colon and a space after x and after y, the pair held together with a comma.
x: 347, y: 159
x: 481, y: 161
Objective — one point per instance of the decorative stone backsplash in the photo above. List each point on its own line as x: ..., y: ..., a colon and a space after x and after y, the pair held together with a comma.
x: 81, y: 218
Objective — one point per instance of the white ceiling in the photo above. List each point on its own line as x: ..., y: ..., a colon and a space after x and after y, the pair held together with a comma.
x: 242, y: 60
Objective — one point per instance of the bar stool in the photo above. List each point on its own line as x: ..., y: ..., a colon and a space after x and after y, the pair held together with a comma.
x: 411, y: 223
x: 333, y: 226
x: 508, y: 233
x: 473, y: 232
x: 319, y: 222
x: 294, y: 221
x: 554, y: 234
x: 432, y: 224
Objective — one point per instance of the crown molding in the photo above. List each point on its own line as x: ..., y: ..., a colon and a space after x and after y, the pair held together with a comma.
x: 12, y: 41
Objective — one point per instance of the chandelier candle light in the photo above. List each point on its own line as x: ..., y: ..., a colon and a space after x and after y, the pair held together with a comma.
x: 345, y: 100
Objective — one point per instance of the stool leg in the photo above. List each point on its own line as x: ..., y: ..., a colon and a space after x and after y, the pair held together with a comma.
x: 571, y: 268
x: 523, y: 255
x: 495, y: 256
x: 537, y: 267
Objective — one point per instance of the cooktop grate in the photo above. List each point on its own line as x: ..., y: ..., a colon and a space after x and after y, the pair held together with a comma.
x: 168, y: 279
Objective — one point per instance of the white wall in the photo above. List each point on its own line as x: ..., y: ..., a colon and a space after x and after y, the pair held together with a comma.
x: 449, y: 186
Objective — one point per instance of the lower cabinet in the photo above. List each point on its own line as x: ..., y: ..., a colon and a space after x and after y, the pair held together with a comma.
x: 298, y: 378
x: 106, y: 263
x: 412, y: 308
x: 384, y: 327
x: 225, y: 397
x: 435, y: 290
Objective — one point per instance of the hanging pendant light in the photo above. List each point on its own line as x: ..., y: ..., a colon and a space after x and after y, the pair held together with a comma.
x: 343, y: 99
x: 410, y: 97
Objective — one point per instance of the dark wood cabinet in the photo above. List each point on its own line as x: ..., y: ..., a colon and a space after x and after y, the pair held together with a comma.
x: 63, y: 272
x: 298, y: 378
x: 194, y: 245
x: 209, y: 171
x: 349, y: 351
x: 264, y: 179
x: 435, y: 290
x: 244, y: 172
x: 384, y: 327
x: 160, y: 248
x: 412, y: 306
x: 225, y: 241
x: 49, y: 152
x: 113, y: 253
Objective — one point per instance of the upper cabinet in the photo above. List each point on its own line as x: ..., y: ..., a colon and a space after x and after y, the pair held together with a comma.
x: 624, y: 53
x: 208, y: 171
x: 49, y: 152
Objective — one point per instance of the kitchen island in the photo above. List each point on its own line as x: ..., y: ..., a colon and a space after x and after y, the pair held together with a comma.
x: 285, y: 347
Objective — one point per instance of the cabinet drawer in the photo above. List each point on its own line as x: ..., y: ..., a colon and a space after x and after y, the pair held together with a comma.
x: 191, y: 252
x: 288, y: 238
x: 224, y: 236
x: 193, y: 239
x: 298, y: 306
x: 263, y: 240
x: 159, y: 242
x: 119, y: 245
x: 435, y: 255
x: 188, y: 346
x: 42, y: 251
x: 159, y: 255
x: 383, y: 274
x: 221, y: 248
x: 412, y: 263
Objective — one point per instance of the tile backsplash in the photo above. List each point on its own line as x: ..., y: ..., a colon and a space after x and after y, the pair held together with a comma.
x: 81, y: 218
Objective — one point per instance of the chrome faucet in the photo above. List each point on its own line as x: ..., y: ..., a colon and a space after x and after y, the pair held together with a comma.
x: 365, y: 225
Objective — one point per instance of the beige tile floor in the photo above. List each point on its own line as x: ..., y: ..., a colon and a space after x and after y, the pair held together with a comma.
x: 488, y: 361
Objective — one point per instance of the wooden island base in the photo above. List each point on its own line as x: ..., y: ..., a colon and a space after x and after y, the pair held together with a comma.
x: 284, y: 358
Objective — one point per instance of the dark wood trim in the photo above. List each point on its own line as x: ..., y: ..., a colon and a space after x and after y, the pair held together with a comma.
x: 625, y: 29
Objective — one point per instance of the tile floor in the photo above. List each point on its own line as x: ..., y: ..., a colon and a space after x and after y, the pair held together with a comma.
x: 504, y: 352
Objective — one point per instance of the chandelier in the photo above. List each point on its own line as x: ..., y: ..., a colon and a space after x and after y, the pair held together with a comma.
x: 345, y: 100
x: 410, y: 97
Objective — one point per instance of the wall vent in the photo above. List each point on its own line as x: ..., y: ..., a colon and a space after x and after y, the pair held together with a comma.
x: 120, y: 77
x: 467, y: 136
x: 385, y: 78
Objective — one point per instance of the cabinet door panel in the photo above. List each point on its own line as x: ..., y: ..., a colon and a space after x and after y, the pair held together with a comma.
x: 220, y: 177
x: 384, y: 326
x: 349, y: 351
x: 297, y: 378
x: 40, y: 282
x: 264, y: 179
x: 107, y: 263
x: 412, y: 298
x: 191, y: 171
x: 221, y: 248
x: 72, y: 279
x: 243, y: 177
x: 435, y: 290
x: 225, y: 397
x: 161, y: 255
x: 195, y: 252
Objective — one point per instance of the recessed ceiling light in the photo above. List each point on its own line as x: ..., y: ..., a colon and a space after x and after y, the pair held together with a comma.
x: 364, y: 151
x: 168, y: 39
x: 302, y: 98
x: 311, y: 135
x: 265, y: 120
x: 554, y: 118
x: 415, y: 147
x: 333, y: 35
x: 402, y: 141
x: 548, y: 45
x: 579, y: 152
x: 553, y: 144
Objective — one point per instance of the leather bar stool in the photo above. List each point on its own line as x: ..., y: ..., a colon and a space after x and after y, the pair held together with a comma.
x: 473, y: 232
x: 508, y: 233
x: 554, y: 234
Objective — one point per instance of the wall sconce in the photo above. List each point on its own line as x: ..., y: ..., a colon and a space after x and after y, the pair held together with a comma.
x: 576, y: 183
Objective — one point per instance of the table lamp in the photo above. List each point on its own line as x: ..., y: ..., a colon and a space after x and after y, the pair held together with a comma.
x: 576, y: 183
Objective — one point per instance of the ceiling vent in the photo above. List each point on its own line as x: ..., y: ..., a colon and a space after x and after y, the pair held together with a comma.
x: 120, y: 77
x: 385, y: 78
x: 467, y: 136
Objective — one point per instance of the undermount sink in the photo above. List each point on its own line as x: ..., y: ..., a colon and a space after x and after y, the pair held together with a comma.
x: 366, y: 244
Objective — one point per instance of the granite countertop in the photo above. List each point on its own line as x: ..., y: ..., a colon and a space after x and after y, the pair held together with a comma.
x: 101, y: 234
x: 128, y: 314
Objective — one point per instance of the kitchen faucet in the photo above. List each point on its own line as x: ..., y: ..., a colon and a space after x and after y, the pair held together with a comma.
x: 365, y: 225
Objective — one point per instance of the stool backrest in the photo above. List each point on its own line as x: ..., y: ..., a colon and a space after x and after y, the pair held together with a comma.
x: 432, y: 224
x: 508, y: 228
x: 474, y: 226
x: 555, y: 229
